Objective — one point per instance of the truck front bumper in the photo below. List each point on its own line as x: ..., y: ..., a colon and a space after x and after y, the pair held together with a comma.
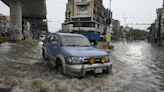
x: 82, y: 69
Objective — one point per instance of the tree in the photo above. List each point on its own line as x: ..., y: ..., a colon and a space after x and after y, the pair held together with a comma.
x: 136, y: 34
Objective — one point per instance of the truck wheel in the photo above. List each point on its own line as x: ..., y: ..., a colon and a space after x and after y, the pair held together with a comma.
x: 59, y: 66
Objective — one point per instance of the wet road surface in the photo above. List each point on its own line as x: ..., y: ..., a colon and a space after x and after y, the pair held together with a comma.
x: 138, y: 67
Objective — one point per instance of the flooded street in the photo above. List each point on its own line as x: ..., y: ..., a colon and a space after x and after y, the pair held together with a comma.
x: 138, y: 67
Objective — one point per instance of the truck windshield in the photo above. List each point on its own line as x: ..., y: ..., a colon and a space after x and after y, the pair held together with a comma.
x: 68, y: 40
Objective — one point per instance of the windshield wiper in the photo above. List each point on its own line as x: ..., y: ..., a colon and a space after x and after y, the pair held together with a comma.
x: 78, y: 45
x: 85, y: 45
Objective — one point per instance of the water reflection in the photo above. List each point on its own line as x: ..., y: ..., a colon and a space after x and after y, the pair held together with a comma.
x: 135, y: 51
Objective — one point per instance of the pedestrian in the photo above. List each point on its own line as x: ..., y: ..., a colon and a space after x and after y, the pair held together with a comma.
x: 108, y: 38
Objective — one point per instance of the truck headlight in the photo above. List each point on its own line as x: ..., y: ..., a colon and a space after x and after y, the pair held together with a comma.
x: 75, y: 60
x: 92, y: 60
x: 103, y: 60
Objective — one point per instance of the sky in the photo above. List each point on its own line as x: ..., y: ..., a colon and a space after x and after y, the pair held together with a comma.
x: 134, y: 11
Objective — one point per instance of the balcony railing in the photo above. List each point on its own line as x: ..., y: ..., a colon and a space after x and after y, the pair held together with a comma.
x: 83, y: 12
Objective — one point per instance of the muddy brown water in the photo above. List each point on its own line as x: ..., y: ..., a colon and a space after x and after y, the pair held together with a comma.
x: 138, y: 67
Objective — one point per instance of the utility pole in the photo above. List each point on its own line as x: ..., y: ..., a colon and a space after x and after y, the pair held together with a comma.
x: 110, y: 5
x: 110, y: 8
x: 125, y: 19
x: 110, y: 19
x: 110, y: 14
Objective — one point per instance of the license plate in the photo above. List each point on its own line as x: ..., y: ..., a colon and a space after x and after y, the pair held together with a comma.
x: 98, y: 70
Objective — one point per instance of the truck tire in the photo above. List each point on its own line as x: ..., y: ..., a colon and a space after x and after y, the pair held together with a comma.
x: 59, y: 66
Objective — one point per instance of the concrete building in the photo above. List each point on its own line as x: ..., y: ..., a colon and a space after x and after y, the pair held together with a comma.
x: 152, y: 32
x: 157, y: 29
x: 32, y: 11
x: 86, y: 15
x: 116, y: 29
x: 160, y: 26
x: 4, y: 23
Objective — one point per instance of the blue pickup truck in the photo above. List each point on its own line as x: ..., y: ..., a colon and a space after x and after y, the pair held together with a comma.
x: 73, y: 54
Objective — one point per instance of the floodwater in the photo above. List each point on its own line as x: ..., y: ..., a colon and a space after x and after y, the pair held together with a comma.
x: 138, y: 67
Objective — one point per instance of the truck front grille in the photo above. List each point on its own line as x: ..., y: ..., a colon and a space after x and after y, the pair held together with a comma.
x: 86, y: 60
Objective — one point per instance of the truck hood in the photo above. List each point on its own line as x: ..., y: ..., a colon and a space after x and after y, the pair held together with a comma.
x: 84, y: 51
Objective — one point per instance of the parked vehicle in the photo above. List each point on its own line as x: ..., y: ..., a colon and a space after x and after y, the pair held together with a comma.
x: 73, y: 54
x: 91, y: 35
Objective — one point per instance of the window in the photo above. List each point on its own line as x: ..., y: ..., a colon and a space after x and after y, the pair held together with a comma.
x: 83, y: 10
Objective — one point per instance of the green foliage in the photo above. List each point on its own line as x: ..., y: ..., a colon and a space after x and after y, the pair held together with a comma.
x: 136, y: 34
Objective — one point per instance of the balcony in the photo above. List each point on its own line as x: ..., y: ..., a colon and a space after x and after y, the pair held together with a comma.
x: 82, y: 2
x: 83, y: 12
x: 85, y: 29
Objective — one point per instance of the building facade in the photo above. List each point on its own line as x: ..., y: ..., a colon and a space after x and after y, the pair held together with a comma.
x: 116, y: 29
x: 86, y: 15
x: 160, y: 26
x: 156, y: 29
x: 4, y: 24
x: 152, y: 32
